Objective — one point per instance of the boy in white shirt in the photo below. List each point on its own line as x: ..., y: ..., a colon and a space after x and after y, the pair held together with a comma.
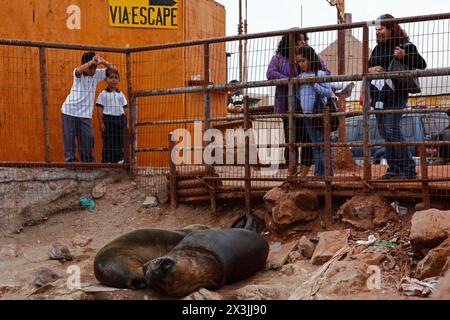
x: 78, y: 107
x: 112, y: 120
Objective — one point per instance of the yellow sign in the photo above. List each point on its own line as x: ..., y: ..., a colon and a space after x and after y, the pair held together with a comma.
x: 161, y: 14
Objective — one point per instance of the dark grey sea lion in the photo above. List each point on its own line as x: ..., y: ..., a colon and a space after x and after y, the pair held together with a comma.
x: 119, y: 263
x: 208, y: 259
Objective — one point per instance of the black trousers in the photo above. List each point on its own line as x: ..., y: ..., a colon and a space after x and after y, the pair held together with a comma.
x: 306, y: 153
x: 113, y: 138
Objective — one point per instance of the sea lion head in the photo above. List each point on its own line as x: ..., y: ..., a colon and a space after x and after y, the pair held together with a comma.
x: 182, y: 273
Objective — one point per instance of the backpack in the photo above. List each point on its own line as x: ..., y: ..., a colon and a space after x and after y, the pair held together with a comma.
x: 320, y: 107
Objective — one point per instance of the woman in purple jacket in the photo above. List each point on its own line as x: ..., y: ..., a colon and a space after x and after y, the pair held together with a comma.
x: 279, y: 69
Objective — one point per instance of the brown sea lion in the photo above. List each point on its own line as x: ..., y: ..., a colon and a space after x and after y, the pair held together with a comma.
x: 119, y: 263
x: 207, y: 259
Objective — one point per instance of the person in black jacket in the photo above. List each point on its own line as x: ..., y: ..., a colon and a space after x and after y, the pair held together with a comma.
x: 393, y: 43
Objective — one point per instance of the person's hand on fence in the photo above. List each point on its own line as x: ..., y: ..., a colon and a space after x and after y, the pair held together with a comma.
x: 399, y: 53
x: 376, y: 69
x: 102, y: 127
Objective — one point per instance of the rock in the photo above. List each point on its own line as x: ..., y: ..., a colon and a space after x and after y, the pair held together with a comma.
x: 443, y: 289
x: 99, y: 190
x: 45, y: 276
x: 369, y: 258
x: 163, y: 197
x: 150, y: 202
x: 435, y: 204
x: 286, y: 208
x: 8, y: 251
x: 58, y: 251
x: 429, y: 228
x: 257, y: 292
x: 306, y: 247
x: 345, y: 278
x: 294, y: 256
x: 52, y: 185
x: 330, y: 242
x: 367, y: 211
x: 203, y: 294
x: 81, y: 241
x: 433, y: 264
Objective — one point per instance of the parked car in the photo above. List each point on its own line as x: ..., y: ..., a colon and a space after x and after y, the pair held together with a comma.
x: 415, y: 127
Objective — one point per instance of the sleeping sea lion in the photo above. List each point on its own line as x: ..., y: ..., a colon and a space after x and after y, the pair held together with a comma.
x: 207, y: 259
x: 119, y: 263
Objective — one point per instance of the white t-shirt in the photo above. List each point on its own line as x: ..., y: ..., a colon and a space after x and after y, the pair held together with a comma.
x: 80, y: 101
x: 113, y: 102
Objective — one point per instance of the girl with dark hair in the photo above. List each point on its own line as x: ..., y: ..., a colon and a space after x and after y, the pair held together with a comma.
x: 279, y: 69
x: 310, y: 66
x: 393, y: 43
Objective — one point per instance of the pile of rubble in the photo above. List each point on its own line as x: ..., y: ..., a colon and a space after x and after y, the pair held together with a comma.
x: 374, y: 247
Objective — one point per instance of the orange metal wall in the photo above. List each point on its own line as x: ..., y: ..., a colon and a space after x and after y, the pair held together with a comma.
x: 21, y: 125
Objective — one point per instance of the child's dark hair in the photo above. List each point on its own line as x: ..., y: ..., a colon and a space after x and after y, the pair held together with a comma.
x: 309, y: 54
x: 87, y: 56
x: 111, y: 71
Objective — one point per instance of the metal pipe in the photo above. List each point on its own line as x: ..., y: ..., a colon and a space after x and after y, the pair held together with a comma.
x: 44, y: 102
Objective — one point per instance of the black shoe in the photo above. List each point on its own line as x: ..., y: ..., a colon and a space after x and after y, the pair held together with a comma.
x: 387, y: 176
x: 406, y: 177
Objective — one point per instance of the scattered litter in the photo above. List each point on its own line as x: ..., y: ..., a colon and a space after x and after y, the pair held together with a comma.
x: 383, y: 243
x: 399, y: 209
x: 150, y: 202
x: 99, y: 190
x: 413, y: 287
x: 87, y: 203
x: 275, y: 247
x: 370, y: 240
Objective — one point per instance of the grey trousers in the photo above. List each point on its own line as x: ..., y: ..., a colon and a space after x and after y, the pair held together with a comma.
x: 77, y: 131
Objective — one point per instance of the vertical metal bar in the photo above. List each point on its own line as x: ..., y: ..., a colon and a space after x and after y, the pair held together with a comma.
x: 44, y: 101
x: 132, y: 118
x: 424, y: 174
x: 248, y: 186
x: 367, y: 172
x: 241, y: 73
x: 341, y: 70
x: 173, y: 175
x: 327, y: 161
x: 207, y: 115
x: 291, y: 107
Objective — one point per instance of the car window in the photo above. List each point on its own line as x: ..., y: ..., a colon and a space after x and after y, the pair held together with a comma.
x: 434, y: 123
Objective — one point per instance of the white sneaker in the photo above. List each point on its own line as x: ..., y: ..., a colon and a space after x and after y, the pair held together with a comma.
x: 121, y: 161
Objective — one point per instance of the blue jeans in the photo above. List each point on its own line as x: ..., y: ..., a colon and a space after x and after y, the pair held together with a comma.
x: 316, y: 135
x: 398, y: 158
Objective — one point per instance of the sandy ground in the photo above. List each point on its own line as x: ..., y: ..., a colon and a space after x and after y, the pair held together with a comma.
x: 120, y: 211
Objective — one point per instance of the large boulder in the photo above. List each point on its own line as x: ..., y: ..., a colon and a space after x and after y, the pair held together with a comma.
x: 434, y: 263
x: 366, y: 211
x: 290, y: 207
x: 330, y: 242
x: 345, y: 278
x: 443, y: 290
x: 429, y: 228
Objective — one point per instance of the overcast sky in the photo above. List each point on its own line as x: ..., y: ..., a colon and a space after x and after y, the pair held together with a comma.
x: 270, y: 15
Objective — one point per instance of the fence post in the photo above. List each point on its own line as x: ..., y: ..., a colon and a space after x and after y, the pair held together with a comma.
x: 327, y: 161
x: 367, y: 172
x: 207, y: 115
x: 173, y: 175
x: 424, y: 174
x: 44, y: 101
x: 132, y: 141
x: 291, y: 101
x: 248, y: 183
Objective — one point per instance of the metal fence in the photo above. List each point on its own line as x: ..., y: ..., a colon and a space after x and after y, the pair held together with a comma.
x: 183, y: 138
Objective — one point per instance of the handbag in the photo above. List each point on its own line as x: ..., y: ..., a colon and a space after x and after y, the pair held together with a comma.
x: 320, y: 107
x: 406, y: 84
